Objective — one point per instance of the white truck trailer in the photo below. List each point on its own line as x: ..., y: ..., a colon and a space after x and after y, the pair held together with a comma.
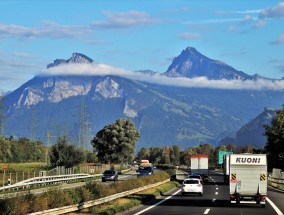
x: 248, y: 178
x: 199, y: 164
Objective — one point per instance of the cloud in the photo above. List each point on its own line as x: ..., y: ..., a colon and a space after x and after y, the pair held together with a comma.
x: 279, y: 40
x: 199, y: 82
x: 189, y: 36
x: 125, y: 20
x: 22, y: 55
x: 178, y: 10
x: 238, y: 12
x: 273, y: 12
x: 48, y: 29
x: 259, y: 24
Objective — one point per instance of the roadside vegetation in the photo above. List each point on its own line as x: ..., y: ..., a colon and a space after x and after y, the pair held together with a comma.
x: 55, y: 198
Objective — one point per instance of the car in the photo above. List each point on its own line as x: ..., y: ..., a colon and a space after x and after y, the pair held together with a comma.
x: 145, y: 170
x: 110, y: 175
x: 197, y: 176
x: 192, y: 185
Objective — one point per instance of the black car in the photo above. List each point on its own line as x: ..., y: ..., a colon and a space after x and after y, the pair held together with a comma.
x: 110, y: 175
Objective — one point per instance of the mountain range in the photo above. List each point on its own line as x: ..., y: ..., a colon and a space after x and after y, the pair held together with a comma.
x: 78, y: 106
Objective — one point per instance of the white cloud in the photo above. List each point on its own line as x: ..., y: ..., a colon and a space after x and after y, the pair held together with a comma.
x: 200, y: 82
x: 48, y: 29
x: 279, y: 40
x: 189, y: 36
x: 259, y: 24
x: 125, y: 20
x: 273, y: 12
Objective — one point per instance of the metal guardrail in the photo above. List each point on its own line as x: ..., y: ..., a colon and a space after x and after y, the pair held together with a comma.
x: 276, y: 180
x: 45, y: 180
x: 80, y: 206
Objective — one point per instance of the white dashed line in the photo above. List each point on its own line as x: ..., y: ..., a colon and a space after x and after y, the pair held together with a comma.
x: 206, y: 211
x: 213, y: 200
x: 216, y: 193
x: 217, y: 188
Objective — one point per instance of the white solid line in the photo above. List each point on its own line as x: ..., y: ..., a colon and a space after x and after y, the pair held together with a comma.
x: 158, y: 203
x: 206, y: 211
x: 274, y: 206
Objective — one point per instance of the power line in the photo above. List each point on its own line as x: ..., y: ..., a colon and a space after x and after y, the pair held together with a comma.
x: 2, y: 114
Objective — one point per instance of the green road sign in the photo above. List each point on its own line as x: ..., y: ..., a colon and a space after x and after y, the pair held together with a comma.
x: 221, y: 154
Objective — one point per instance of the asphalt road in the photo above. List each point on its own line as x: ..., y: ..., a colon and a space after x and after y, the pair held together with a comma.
x: 214, y: 201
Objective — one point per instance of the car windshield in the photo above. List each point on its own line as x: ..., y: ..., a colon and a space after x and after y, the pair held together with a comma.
x: 194, y: 176
x: 191, y: 182
x: 109, y: 172
x: 145, y: 169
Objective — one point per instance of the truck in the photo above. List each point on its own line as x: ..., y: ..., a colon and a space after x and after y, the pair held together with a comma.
x: 199, y: 164
x: 248, y: 178
x: 226, y: 168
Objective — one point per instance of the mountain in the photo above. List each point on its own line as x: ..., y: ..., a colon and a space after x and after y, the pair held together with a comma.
x: 46, y: 107
x: 76, y: 58
x: 253, y: 133
x: 190, y: 63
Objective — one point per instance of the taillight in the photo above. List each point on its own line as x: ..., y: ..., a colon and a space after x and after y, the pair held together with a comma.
x: 263, y: 197
x: 232, y: 197
x: 199, y: 185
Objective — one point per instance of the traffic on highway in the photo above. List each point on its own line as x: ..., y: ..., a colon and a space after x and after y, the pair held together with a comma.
x: 215, y: 200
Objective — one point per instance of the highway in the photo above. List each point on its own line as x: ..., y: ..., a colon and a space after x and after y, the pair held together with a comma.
x: 214, y: 201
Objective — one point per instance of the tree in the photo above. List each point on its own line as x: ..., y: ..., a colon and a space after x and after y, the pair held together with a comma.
x: 62, y: 154
x: 115, y: 143
x: 275, y: 140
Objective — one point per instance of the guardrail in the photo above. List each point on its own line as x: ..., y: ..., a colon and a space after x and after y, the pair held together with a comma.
x: 276, y: 182
x: 80, y: 206
x: 45, y: 180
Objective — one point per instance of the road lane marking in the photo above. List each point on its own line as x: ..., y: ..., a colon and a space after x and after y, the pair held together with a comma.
x: 216, y: 193
x: 274, y: 206
x: 217, y: 188
x: 206, y: 211
x: 213, y: 200
x: 158, y: 203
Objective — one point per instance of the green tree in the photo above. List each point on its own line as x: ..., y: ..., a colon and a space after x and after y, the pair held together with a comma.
x: 115, y: 143
x: 63, y: 154
x: 143, y: 154
x: 275, y: 140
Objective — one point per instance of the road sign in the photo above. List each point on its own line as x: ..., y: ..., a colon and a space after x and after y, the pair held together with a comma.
x: 221, y: 154
x: 4, y: 167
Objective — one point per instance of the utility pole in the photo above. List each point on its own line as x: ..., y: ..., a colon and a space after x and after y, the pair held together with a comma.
x: 84, y: 127
x: 48, y: 144
x: 2, y: 114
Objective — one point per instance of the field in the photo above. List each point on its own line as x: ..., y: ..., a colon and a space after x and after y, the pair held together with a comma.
x: 20, y: 171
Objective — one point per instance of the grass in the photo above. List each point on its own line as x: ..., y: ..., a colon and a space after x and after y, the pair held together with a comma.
x: 126, y: 203
x: 24, y: 167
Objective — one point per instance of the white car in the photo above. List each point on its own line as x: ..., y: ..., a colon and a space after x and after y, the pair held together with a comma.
x: 192, y: 185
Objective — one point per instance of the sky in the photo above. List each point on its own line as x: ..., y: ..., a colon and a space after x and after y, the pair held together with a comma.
x: 139, y: 35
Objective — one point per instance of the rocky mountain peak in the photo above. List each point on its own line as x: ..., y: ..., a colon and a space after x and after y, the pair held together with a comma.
x: 190, y: 63
x: 76, y: 58
x: 79, y: 58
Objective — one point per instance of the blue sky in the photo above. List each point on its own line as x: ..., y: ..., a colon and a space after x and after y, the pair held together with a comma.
x: 139, y: 34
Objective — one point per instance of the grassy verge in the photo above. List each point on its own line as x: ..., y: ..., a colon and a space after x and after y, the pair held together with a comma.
x: 129, y: 202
